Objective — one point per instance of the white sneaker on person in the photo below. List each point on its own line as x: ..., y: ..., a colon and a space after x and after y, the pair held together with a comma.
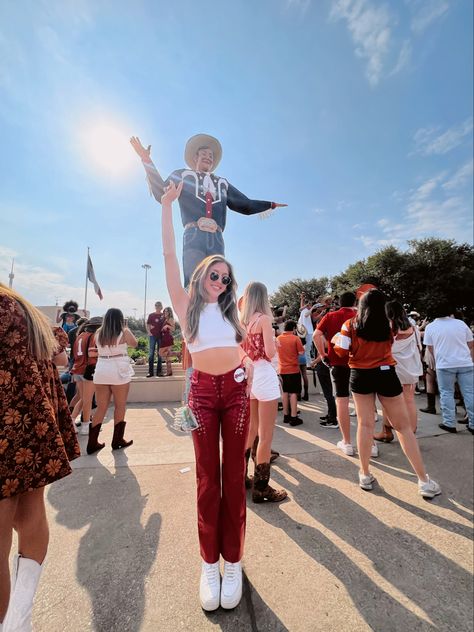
x: 428, y: 488
x: 366, y: 481
x: 374, y: 451
x: 346, y: 448
x: 210, y: 586
x: 231, y: 591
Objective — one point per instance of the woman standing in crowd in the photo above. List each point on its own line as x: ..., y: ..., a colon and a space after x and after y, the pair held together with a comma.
x: 166, y: 341
x: 218, y: 398
x: 112, y: 376
x: 37, y: 441
x: 260, y: 347
x: 406, y: 350
x: 85, y: 359
x: 367, y: 340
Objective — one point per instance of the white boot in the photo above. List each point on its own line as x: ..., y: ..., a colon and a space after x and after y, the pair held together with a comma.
x: 231, y: 591
x: 26, y: 574
x: 210, y: 586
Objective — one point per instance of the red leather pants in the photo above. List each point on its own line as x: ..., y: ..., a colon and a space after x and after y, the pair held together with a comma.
x: 221, y: 407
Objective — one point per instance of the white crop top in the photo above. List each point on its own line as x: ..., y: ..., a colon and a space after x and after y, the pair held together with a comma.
x: 111, y: 351
x: 214, y: 330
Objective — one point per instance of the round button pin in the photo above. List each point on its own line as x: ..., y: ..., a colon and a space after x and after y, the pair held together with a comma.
x: 239, y: 375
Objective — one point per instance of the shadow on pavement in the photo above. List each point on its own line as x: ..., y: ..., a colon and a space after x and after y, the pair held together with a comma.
x: 412, y: 566
x: 256, y: 611
x: 116, y: 552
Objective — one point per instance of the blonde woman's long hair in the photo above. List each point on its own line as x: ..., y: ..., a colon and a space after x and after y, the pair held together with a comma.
x: 41, y: 343
x: 255, y: 301
x: 198, y: 299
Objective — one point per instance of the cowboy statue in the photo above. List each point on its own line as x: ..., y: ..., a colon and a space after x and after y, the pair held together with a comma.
x: 203, y: 200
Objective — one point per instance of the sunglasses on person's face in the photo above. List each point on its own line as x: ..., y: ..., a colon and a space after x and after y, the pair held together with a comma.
x: 225, y: 278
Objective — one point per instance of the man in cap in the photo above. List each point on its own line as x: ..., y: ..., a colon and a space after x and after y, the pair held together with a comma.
x: 203, y: 200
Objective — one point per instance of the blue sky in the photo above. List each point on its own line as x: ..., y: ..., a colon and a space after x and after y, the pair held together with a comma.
x: 357, y: 113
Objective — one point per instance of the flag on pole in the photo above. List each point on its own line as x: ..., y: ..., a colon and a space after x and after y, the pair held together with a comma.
x: 92, y: 279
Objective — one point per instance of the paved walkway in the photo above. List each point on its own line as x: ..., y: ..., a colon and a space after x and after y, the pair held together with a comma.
x: 124, y: 556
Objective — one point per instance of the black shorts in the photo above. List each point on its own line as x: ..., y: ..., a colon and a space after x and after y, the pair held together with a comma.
x: 89, y: 372
x: 291, y: 382
x: 383, y: 381
x: 341, y: 376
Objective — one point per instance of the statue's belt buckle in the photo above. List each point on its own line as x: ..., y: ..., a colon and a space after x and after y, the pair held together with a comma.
x: 207, y: 224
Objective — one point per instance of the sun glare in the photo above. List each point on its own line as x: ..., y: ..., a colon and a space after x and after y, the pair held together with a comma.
x: 106, y: 148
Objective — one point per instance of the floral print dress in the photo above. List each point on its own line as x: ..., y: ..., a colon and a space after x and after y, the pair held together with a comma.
x: 37, y: 438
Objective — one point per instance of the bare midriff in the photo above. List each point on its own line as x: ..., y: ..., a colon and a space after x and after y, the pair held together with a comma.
x: 216, y: 361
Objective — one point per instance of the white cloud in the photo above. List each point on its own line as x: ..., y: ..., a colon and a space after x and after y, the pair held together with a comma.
x: 369, y: 25
x: 462, y: 175
x: 425, y: 12
x: 43, y: 287
x: 431, y: 210
x: 428, y: 140
x: 318, y: 211
x: 404, y: 57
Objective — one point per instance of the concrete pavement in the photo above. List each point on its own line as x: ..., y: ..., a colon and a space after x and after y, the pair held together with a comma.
x: 124, y: 551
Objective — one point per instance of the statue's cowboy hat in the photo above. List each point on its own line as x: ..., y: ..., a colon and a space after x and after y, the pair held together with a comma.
x: 198, y: 141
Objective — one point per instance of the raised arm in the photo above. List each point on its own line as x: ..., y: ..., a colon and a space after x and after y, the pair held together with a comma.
x: 240, y: 203
x: 179, y: 296
x: 155, y: 181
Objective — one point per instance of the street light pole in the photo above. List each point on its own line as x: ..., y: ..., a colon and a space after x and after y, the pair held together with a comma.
x: 146, y: 267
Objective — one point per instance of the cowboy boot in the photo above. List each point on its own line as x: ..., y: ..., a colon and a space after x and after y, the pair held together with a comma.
x: 248, y: 479
x: 169, y: 370
x: 385, y: 435
x: 26, y: 574
x: 118, y: 441
x: 261, y: 489
x: 92, y: 444
x: 431, y: 406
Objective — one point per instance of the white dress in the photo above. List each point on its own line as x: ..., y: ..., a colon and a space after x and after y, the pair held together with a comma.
x: 113, y: 364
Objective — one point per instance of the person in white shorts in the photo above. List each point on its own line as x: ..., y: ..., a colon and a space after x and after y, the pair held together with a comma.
x: 112, y: 376
x: 260, y: 347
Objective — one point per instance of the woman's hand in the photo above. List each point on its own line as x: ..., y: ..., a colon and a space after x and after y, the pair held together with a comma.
x: 141, y: 151
x: 172, y: 192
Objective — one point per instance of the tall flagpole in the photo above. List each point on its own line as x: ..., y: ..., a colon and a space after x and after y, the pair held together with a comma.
x: 87, y: 276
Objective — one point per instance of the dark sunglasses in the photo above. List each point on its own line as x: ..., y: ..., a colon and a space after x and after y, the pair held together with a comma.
x: 225, y: 278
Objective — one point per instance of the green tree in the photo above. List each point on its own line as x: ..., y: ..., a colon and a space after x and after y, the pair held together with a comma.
x: 289, y: 293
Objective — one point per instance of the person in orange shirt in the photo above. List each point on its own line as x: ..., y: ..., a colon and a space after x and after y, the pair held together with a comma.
x: 367, y: 340
x: 288, y: 348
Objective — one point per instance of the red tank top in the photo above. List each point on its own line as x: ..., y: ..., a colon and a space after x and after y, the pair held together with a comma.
x: 254, y: 345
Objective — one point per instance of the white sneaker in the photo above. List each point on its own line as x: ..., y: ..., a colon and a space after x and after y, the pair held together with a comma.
x: 210, y: 586
x: 366, y: 482
x: 346, y: 448
x: 231, y: 591
x: 84, y: 429
x: 374, y: 451
x: 429, y: 488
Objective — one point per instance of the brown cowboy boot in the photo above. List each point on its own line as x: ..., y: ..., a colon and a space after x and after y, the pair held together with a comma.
x: 92, y: 444
x: 248, y: 479
x: 385, y: 435
x: 261, y: 489
x: 118, y: 441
